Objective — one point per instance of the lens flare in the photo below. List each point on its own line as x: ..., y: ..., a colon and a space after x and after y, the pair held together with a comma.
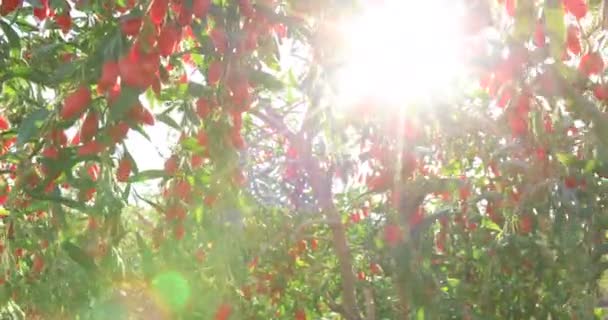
x: 401, y: 52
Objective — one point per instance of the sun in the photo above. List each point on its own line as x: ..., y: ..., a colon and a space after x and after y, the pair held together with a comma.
x: 401, y: 52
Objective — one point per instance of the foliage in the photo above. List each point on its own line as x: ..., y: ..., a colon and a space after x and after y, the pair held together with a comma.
x: 274, y: 204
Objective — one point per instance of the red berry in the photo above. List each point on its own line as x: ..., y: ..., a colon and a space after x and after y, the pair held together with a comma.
x: 130, y: 26
x: 179, y: 231
x: 539, y: 35
x: 64, y: 21
x: 4, y: 124
x: 202, y: 138
x: 171, y: 165
x: 510, y: 7
x: 525, y: 224
x: 203, y: 108
x: 109, y: 75
x: 573, y: 40
x: 300, y: 315
x: 570, y: 182
x: 577, y: 8
x: 214, y: 73
x: 50, y: 152
x: 223, y: 312
x: 196, y: 161
x: 124, y: 169
x: 90, y: 126
x: 76, y: 103
x: 246, y: 8
x: 118, y: 132
x: 90, y: 148
x: 8, y: 6
x: 43, y: 11
x: 219, y: 39
x: 591, y: 63
x: 392, y: 235
x: 200, y: 8
x: 169, y: 38
x: 601, y: 92
x: 158, y: 11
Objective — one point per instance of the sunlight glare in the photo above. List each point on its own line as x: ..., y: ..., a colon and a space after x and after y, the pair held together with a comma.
x: 401, y: 52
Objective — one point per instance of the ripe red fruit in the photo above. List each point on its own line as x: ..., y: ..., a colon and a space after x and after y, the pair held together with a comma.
x: 601, y: 92
x: 50, y: 152
x: 570, y: 182
x: 392, y: 235
x: 130, y: 26
x: 237, y: 139
x: 179, y: 231
x: 158, y: 11
x: 131, y: 73
x: 196, y: 161
x: 219, y: 39
x: 93, y: 172
x: 90, y: 125
x: 182, y: 190
x: 591, y: 63
x: 76, y: 103
x: 300, y: 315
x: 573, y: 40
x: 64, y: 21
x: 577, y: 8
x: 109, y: 75
x: 203, y: 109
x: 185, y: 17
x: 118, y: 132
x: 169, y: 39
x: 9, y: 6
x: 361, y: 276
x: 140, y: 114
x: 124, y: 169
x: 525, y: 224
x: 202, y: 138
x: 90, y: 148
x: 43, y: 11
x: 214, y: 73
x: 539, y: 35
x: 518, y: 124
x: 171, y: 165
x: 200, y: 8
x: 374, y: 268
x: 223, y: 312
x: 510, y: 7
x: 4, y: 124
x: 246, y: 9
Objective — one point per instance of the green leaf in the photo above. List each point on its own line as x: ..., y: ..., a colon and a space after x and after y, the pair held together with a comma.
x: 147, y: 175
x: 191, y: 144
x: 420, y: 314
x: 566, y: 159
x: 146, y: 254
x: 556, y: 27
x: 64, y: 72
x: 128, y: 98
x: 489, y: 224
x: 166, y: 119
x: 30, y: 126
x: 79, y: 256
x: 524, y: 20
x: 266, y: 80
x: 11, y: 34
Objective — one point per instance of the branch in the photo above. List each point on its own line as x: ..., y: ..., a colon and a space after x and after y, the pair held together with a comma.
x: 321, y: 183
x: 370, y: 306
